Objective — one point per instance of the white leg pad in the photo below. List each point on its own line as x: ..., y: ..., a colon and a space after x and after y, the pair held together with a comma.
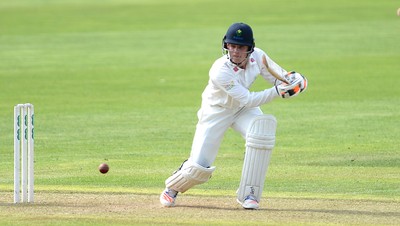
x: 260, y: 139
x: 189, y: 175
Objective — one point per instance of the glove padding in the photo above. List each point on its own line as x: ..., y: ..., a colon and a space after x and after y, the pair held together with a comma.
x: 297, y: 84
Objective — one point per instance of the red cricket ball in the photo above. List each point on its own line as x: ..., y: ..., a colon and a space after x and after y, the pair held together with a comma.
x: 103, y: 168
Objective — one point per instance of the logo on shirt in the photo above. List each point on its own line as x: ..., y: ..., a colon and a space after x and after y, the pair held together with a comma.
x: 252, y: 60
x: 229, y: 86
x: 236, y: 69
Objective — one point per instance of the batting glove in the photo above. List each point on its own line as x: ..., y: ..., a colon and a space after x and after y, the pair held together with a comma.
x: 297, y: 84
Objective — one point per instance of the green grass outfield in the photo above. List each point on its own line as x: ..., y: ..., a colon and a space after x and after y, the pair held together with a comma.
x: 119, y: 81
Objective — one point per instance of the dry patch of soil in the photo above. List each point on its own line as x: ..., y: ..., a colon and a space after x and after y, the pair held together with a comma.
x: 123, y: 209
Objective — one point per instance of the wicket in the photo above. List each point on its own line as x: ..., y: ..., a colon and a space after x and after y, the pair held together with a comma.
x: 23, y: 152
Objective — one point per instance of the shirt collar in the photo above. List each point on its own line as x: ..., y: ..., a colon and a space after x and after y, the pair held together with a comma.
x: 251, y: 61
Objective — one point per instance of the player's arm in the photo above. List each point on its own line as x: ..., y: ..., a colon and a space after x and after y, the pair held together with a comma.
x: 270, y: 70
x: 242, y: 94
x: 287, y: 84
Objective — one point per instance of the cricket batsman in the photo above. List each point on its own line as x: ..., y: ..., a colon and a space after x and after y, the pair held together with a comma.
x: 228, y: 103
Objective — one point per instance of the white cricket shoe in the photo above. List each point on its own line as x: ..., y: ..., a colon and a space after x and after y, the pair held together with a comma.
x: 250, y: 202
x: 167, y: 197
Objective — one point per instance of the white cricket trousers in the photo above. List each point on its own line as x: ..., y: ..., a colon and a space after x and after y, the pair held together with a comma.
x: 213, y: 122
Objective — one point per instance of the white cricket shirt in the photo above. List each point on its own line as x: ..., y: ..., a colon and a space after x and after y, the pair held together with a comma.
x: 229, y: 85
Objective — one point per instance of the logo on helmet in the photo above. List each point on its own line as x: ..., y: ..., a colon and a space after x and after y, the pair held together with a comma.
x: 238, y: 35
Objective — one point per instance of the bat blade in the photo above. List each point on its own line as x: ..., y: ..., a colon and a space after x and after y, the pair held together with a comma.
x: 273, y: 73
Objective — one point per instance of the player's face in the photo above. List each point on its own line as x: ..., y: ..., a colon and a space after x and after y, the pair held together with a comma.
x: 237, y: 53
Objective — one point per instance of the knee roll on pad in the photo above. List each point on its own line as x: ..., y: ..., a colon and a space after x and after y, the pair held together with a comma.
x: 189, y: 175
x: 260, y: 139
x: 261, y: 132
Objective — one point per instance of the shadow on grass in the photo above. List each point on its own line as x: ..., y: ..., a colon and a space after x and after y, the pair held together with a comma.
x: 325, y: 211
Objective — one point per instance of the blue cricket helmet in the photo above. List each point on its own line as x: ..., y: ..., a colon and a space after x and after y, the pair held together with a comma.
x: 239, y: 34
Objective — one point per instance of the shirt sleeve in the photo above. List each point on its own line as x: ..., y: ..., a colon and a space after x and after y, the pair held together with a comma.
x: 273, y: 66
x: 238, y: 92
